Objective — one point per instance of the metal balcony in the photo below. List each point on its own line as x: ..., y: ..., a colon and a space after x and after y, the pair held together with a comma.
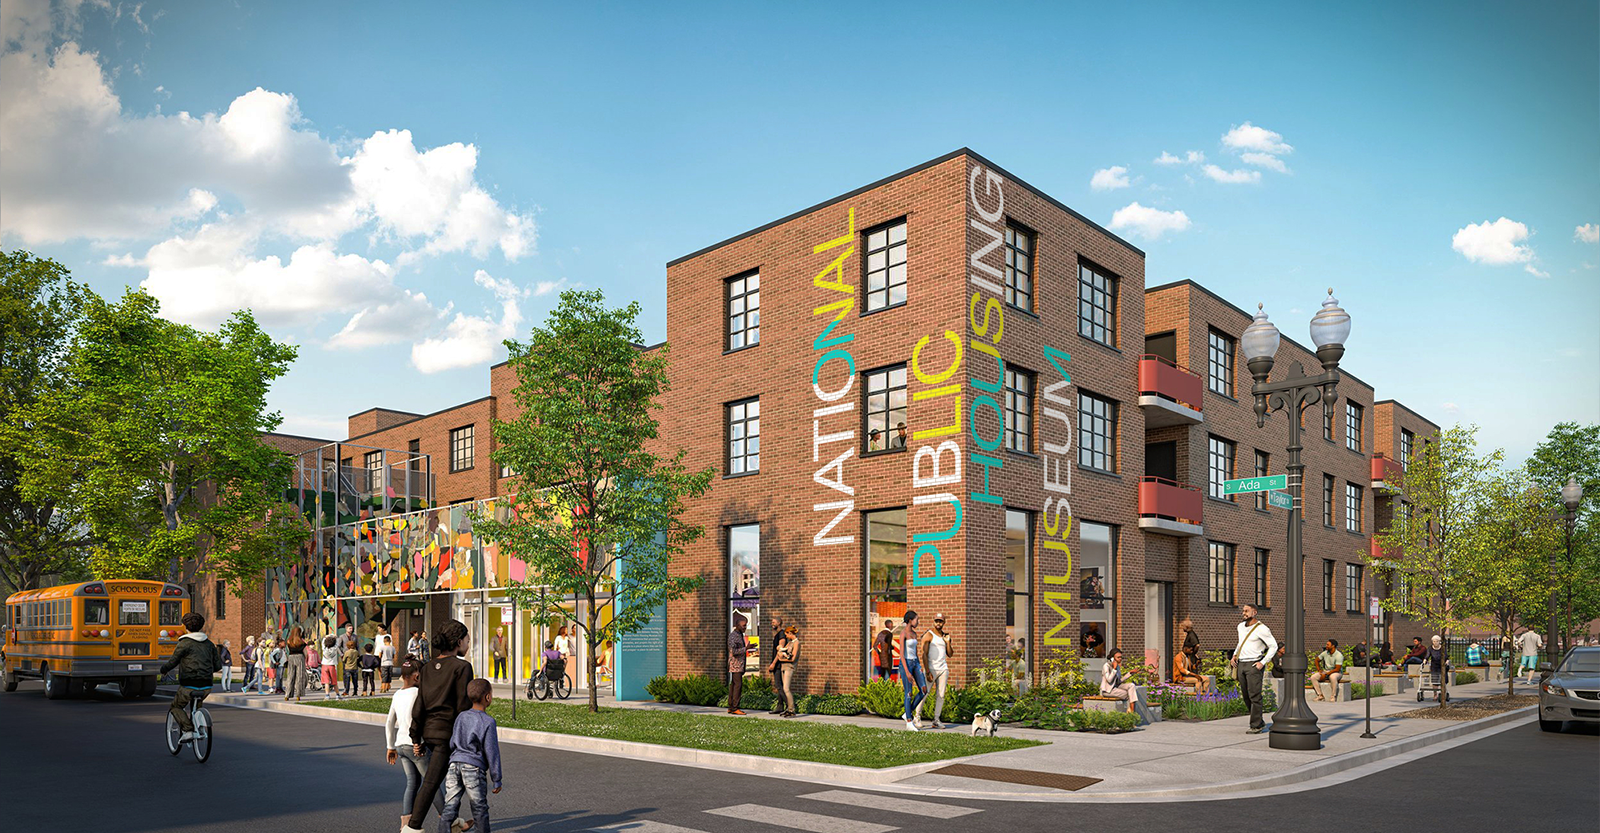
x: 1167, y: 507
x: 1385, y: 473
x: 1168, y: 394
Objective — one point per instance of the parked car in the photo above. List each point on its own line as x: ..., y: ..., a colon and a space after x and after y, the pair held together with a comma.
x: 1572, y: 692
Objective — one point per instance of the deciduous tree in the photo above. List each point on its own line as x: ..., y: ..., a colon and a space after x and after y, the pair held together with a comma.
x: 1573, y: 450
x: 1505, y: 572
x: 597, y: 512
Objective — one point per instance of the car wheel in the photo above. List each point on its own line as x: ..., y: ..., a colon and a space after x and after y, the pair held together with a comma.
x: 1550, y: 725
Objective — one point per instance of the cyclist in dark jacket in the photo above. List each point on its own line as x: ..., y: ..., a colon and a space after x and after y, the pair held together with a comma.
x: 196, y: 660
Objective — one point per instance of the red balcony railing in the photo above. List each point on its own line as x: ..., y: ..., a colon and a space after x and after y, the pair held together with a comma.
x: 1377, y: 548
x: 1159, y: 377
x: 1163, y: 498
x: 1385, y: 470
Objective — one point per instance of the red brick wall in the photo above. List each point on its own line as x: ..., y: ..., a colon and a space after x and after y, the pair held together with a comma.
x: 373, y: 419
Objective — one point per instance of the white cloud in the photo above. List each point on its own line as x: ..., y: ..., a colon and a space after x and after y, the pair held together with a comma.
x: 1148, y: 223
x: 1193, y: 157
x: 1535, y: 271
x: 1231, y: 177
x: 1264, y: 160
x: 547, y: 287
x: 1587, y: 233
x: 470, y: 339
x: 1494, y: 243
x: 1109, y: 179
x: 1248, y: 137
x: 407, y: 318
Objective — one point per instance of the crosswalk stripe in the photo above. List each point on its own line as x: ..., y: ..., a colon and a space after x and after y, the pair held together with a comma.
x: 878, y: 801
x: 642, y: 826
x: 779, y: 817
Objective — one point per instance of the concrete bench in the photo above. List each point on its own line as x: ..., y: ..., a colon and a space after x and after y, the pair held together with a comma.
x: 1344, y: 689
x: 1393, y: 681
x: 1096, y: 703
x: 1141, y: 705
x: 1327, y: 688
x: 1211, y: 684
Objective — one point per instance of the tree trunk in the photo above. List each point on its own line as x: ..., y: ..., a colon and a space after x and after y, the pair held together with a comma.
x: 592, y: 662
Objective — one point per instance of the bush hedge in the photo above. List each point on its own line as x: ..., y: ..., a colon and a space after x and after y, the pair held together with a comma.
x: 693, y: 690
x: 1466, y: 677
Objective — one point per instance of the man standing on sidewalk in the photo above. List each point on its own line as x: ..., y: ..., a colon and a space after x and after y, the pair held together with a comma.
x: 738, y: 647
x: 1531, y: 644
x: 497, y: 647
x: 1255, y: 647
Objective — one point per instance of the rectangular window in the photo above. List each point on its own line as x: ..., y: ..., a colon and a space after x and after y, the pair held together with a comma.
x: 886, y: 409
x: 1352, y: 507
x: 1352, y: 588
x: 1327, y: 584
x: 1327, y: 425
x: 1263, y: 561
x: 1263, y: 468
x: 886, y: 587
x: 97, y: 611
x: 1097, y: 305
x: 373, y: 461
x: 1352, y: 426
x: 1019, y: 563
x: 130, y: 612
x: 1219, y: 558
x: 1219, y: 465
x: 1019, y: 267
x: 886, y: 266
x: 414, y: 450
x: 1097, y: 583
x: 1019, y: 410
x: 744, y: 587
x: 1097, y: 432
x: 1327, y: 500
x: 1219, y: 363
x: 506, y: 471
x: 744, y: 436
x: 461, y: 450
x: 221, y: 591
x: 744, y: 311
x: 1407, y: 441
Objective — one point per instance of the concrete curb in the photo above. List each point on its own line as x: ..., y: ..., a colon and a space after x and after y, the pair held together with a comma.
x: 880, y: 779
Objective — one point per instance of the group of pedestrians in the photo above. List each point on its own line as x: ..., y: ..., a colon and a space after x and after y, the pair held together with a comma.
x: 440, y: 733
x: 341, y: 665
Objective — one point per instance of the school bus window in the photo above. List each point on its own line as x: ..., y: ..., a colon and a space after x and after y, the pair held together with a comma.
x: 133, y: 613
x: 97, y: 612
x: 172, y: 613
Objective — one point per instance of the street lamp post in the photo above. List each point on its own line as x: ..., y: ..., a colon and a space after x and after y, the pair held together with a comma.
x: 1571, y: 496
x: 1295, y: 725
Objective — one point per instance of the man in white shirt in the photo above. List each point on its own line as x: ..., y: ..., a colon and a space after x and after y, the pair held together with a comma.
x: 1531, y: 644
x: 935, y: 650
x: 1255, y: 647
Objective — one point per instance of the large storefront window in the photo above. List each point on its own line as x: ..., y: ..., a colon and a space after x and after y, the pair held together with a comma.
x: 1019, y: 565
x: 886, y: 580
x: 1097, y: 582
x: 744, y: 587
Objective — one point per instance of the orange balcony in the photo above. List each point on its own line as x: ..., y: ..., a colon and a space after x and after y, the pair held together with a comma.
x: 1168, y: 394
x: 1385, y: 472
x: 1170, y: 508
x: 1377, y: 549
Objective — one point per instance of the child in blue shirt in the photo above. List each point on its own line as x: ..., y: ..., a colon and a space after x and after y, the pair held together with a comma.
x: 474, y: 759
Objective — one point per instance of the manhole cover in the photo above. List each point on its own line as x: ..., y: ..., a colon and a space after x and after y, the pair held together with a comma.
x: 1054, y: 780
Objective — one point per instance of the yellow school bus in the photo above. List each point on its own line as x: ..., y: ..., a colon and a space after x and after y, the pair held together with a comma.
x: 78, y: 636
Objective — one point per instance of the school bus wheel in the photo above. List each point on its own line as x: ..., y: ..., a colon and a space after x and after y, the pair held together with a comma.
x: 10, y: 681
x: 55, y: 685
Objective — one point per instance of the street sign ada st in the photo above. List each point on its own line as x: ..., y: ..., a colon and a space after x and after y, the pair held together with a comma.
x: 1280, y: 499
x: 1255, y: 484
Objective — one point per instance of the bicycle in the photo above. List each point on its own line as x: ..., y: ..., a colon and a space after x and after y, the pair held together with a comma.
x: 200, y: 718
x: 549, y: 681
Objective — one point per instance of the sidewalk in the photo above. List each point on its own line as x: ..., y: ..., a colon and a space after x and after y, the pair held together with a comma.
x: 1169, y: 760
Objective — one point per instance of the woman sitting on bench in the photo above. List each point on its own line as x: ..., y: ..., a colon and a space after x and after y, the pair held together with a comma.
x: 1186, y: 671
x: 1112, y: 685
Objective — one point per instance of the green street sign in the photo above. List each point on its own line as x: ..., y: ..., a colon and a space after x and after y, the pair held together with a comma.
x: 1282, y: 500
x: 1255, y: 484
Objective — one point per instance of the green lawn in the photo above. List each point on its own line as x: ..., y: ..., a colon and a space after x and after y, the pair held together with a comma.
x: 792, y: 739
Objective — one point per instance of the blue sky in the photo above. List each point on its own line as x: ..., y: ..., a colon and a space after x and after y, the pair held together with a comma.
x: 329, y: 156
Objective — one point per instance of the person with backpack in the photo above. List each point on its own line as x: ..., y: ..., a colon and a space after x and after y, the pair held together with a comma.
x: 293, y: 664
x: 196, y: 659
x: 369, y: 669
x: 441, y: 696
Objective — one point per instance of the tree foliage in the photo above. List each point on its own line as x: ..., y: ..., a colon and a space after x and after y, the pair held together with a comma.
x: 1504, y: 576
x: 597, y: 512
x: 1573, y: 450
x: 153, y: 436
x: 39, y: 308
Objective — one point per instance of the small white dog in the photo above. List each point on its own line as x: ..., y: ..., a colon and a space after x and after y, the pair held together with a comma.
x: 986, y: 723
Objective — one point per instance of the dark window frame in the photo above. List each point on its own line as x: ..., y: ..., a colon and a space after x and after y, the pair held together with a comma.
x: 1263, y: 567
x: 1353, y: 420
x: 1327, y: 585
x: 1214, y: 485
x: 890, y: 434
x: 749, y: 333
x: 1219, y: 361
x: 1263, y: 468
x: 1104, y: 298
x: 1354, y: 503
x: 1018, y: 386
x: 744, y: 421
x: 889, y: 250
x: 1089, y: 422
x: 1353, y: 580
x: 1220, y: 579
x: 1027, y: 255
x: 463, y: 445
x: 221, y: 591
x: 1328, y: 487
x: 1408, y: 443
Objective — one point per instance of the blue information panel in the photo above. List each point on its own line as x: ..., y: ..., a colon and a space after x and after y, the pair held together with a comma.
x: 642, y: 656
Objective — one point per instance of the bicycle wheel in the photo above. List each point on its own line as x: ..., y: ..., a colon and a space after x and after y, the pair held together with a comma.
x: 202, y: 735
x: 173, y: 733
x: 562, y: 689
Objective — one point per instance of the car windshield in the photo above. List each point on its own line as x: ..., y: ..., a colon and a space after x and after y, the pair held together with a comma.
x: 1582, y: 662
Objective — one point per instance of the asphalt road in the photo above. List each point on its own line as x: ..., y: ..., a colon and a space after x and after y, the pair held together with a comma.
x: 100, y: 764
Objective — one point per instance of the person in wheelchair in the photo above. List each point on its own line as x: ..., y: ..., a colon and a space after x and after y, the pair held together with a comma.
x: 554, y: 665
x: 196, y: 659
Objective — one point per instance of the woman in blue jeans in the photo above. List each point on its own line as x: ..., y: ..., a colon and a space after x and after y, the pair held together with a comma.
x: 911, y: 671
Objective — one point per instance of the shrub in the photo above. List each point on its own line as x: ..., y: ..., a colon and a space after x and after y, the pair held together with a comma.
x: 1137, y: 671
x: 665, y: 689
x: 761, y: 701
x: 757, y: 684
x: 1109, y: 723
x: 1465, y: 677
x: 1215, y: 663
x: 1358, y: 691
x: 884, y: 698
x: 700, y: 690
x: 1034, y: 705
x: 1062, y: 668
x: 838, y: 704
